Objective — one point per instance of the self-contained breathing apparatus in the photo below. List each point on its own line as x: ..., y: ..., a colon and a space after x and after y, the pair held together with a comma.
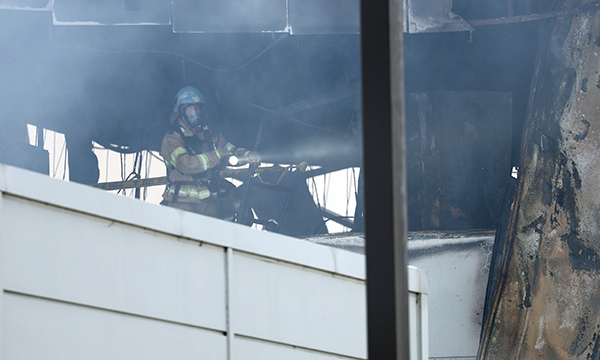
x: 218, y: 187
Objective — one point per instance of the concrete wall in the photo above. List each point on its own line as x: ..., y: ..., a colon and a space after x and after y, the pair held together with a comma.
x: 90, y: 275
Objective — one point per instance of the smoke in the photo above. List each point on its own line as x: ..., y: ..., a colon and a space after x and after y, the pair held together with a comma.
x: 115, y: 84
x: 346, y: 153
x: 90, y: 71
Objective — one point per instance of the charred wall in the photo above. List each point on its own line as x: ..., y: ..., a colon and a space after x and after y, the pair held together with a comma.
x: 545, y: 303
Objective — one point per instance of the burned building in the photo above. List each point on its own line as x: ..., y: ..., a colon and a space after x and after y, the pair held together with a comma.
x: 492, y: 87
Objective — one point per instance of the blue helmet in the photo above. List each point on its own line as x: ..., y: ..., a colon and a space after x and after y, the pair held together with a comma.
x: 188, y: 95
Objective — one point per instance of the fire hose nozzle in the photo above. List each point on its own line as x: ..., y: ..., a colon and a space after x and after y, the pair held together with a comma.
x: 234, y: 160
x: 237, y: 160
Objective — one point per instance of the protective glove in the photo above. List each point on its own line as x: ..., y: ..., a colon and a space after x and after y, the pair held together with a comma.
x: 253, y: 157
x: 222, y: 152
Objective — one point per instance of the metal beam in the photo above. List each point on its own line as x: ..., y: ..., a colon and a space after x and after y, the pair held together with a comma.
x: 340, y: 219
x: 385, y: 188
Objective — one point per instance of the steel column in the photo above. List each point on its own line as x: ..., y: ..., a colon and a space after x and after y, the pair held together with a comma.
x: 384, y: 164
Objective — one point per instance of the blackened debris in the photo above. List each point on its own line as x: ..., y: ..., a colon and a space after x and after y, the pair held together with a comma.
x: 535, y: 225
x: 547, y: 144
x: 527, y: 299
x: 585, y: 132
x: 563, y: 84
x: 581, y: 257
x: 584, y: 85
x: 595, y: 354
x: 560, y: 200
x: 547, y: 195
x: 578, y: 345
x: 576, y: 176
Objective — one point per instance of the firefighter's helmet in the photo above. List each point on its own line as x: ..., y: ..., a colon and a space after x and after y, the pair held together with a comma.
x: 188, y: 95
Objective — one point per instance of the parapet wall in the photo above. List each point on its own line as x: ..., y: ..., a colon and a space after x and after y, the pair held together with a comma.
x: 87, y: 274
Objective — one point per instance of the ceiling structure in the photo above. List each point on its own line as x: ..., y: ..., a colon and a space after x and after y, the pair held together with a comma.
x: 279, y: 76
x: 109, y: 74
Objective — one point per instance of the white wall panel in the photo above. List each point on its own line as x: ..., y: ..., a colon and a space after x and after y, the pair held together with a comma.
x: 457, y: 282
x: 2, y: 225
x: 97, y: 203
x: 41, y: 329
x: 89, y: 275
x: 84, y: 259
x: 251, y: 349
x: 413, y: 321
x: 298, y: 306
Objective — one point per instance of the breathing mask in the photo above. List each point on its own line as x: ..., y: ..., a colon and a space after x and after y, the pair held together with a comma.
x: 191, y: 115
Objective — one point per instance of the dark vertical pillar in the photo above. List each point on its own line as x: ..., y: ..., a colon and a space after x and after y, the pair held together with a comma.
x: 359, y: 220
x: 83, y: 163
x: 384, y: 165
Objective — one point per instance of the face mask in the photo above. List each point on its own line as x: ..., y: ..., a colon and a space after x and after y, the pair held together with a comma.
x: 191, y: 115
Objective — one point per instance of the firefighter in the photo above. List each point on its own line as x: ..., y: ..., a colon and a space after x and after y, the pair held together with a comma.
x: 193, y: 154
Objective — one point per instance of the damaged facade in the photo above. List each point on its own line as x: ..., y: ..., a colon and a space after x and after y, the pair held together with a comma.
x: 491, y: 86
x: 545, y: 304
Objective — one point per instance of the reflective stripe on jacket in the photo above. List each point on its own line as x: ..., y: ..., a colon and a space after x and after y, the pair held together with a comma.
x: 184, y: 166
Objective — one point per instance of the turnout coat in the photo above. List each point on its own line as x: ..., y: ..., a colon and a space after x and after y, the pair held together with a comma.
x: 191, y: 159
